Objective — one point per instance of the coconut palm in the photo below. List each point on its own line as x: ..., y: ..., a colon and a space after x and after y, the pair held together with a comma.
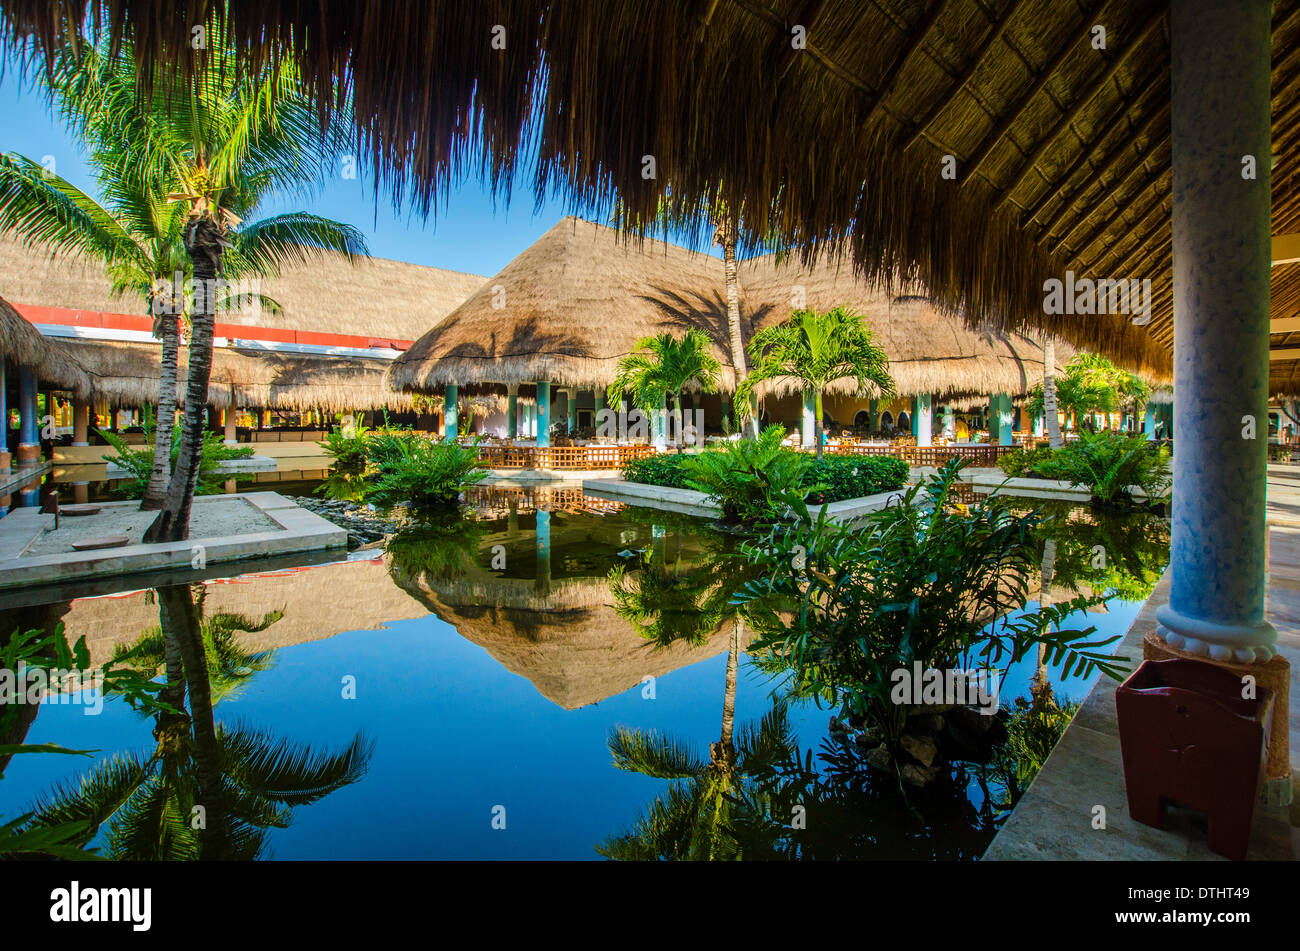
x: 137, y: 234
x: 664, y: 366
x: 693, y: 819
x: 814, y: 349
x: 219, y: 143
x: 206, y: 791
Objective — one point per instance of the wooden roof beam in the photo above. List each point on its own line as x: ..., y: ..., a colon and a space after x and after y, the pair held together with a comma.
x: 996, y: 30
x: 1284, y: 325
x: 1045, y: 72
x: 1088, y: 96
x: 1152, y: 178
x: 1286, y: 249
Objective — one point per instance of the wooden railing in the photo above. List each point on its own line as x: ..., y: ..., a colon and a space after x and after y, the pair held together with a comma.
x: 927, y: 455
x: 560, y: 457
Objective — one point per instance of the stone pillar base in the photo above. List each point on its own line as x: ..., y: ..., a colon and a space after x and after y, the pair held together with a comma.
x: 28, y: 454
x: 1275, y: 674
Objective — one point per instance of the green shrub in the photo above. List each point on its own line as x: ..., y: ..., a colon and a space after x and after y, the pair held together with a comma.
x: 663, y: 469
x: 842, y: 607
x: 1108, y: 464
x: 836, y: 477
x: 754, y: 479
x: 851, y: 477
x: 420, y: 472
x: 139, y: 462
x: 1022, y: 462
x: 349, y: 448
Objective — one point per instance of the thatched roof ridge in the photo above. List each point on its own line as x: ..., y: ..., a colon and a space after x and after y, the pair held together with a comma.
x: 20, y: 342
x: 1061, y: 148
x: 567, y: 309
x: 328, y: 294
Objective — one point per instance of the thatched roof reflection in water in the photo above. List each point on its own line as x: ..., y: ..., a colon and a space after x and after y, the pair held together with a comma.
x: 569, y: 643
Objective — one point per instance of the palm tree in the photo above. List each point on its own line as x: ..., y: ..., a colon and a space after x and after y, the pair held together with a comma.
x: 138, y: 234
x: 246, y: 780
x: 813, y: 350
x: 695, y: 818
x: 220, y: 143
x: 669, y: 367
x: 1049, y: 393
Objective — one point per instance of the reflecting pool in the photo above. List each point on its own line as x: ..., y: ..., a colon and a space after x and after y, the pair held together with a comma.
x: 462, y: 692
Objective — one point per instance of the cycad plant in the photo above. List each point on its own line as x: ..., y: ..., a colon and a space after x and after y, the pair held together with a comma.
x: 754, y: 480
x: 181, y: 168
x: 814, y: 349
x: 664, y: 366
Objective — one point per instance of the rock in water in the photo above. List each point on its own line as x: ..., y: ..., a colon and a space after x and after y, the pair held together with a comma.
x: 922, y: 748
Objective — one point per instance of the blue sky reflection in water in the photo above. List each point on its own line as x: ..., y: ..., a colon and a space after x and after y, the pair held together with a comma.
x: 457, y: 732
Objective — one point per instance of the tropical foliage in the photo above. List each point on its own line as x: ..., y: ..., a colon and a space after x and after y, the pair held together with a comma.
x: 924, y: 580
x: 1092, y: 384
x: 814, y: 349
x: 421, y: 473
x: 1110, y: 464
x: 140, y: 463
x: 753, y: 480
x: 667, y: 366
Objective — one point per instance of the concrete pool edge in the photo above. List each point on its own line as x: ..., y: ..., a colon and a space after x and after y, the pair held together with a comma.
x: 691, y: 502
x: 299, y: 531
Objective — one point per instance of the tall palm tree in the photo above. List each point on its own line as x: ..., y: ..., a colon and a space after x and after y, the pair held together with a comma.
x: 137, y: 233
x: 813, y: 350
x: 246, y: 780
x: 1049, y: 393
x: 221, y: 143
x: 664, y: 366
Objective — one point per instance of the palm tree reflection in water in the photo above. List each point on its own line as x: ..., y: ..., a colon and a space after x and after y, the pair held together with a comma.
x: 207, y: 791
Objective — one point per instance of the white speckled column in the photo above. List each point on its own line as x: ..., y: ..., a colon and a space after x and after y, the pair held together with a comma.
x: 924, y: 420
x: 1221, y: 251
x: 949, y: 423
x: 807, y: 437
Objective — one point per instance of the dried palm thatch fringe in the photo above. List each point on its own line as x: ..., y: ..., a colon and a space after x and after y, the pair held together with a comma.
x: 1061, y: 149
x: 126, y: 374
x: 20, y: 342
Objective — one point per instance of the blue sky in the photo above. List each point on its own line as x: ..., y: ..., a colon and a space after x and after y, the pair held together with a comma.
x: 469, y: 233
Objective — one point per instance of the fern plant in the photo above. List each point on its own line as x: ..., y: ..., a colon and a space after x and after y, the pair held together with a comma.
x: 421, y: 473
x: 1110, y: 464
x: 753, y: 480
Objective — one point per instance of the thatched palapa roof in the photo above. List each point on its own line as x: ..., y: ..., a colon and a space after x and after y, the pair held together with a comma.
x: 580, y: 298
x: 567, y: 309
x: 20, y: 342
x: 1062, y: 148
x: 385, y: 301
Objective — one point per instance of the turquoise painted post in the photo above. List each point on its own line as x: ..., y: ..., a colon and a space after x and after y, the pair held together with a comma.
x: 808, y: 437
x: 1150, y: 422
x: 450, y: 400
x: 1000, y: 410
x: 512, y: 411
x: 873, y: 407
x: 4, y: 410
x: 542, y: 581
x: 571, y: 401
x: 658, y: 429
x: 915, y: 423
x: 29, y: 430
x: 923, y: 421
x: 543, y: 413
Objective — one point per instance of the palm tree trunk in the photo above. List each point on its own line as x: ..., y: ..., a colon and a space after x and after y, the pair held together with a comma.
x: 177, y: 613
x: 729, y: 694
x: 677, y: 419
x: 204, y: 242
x: 156, y: 491
x: 1049, y: 393
x: 1039, y: 688
x: 725, y: 235
x: 817, y: 422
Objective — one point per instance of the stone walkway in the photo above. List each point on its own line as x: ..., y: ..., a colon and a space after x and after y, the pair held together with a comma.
x: 1054, y: 819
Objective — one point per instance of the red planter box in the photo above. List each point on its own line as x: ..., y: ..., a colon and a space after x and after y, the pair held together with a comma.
x: 1188, y: 736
